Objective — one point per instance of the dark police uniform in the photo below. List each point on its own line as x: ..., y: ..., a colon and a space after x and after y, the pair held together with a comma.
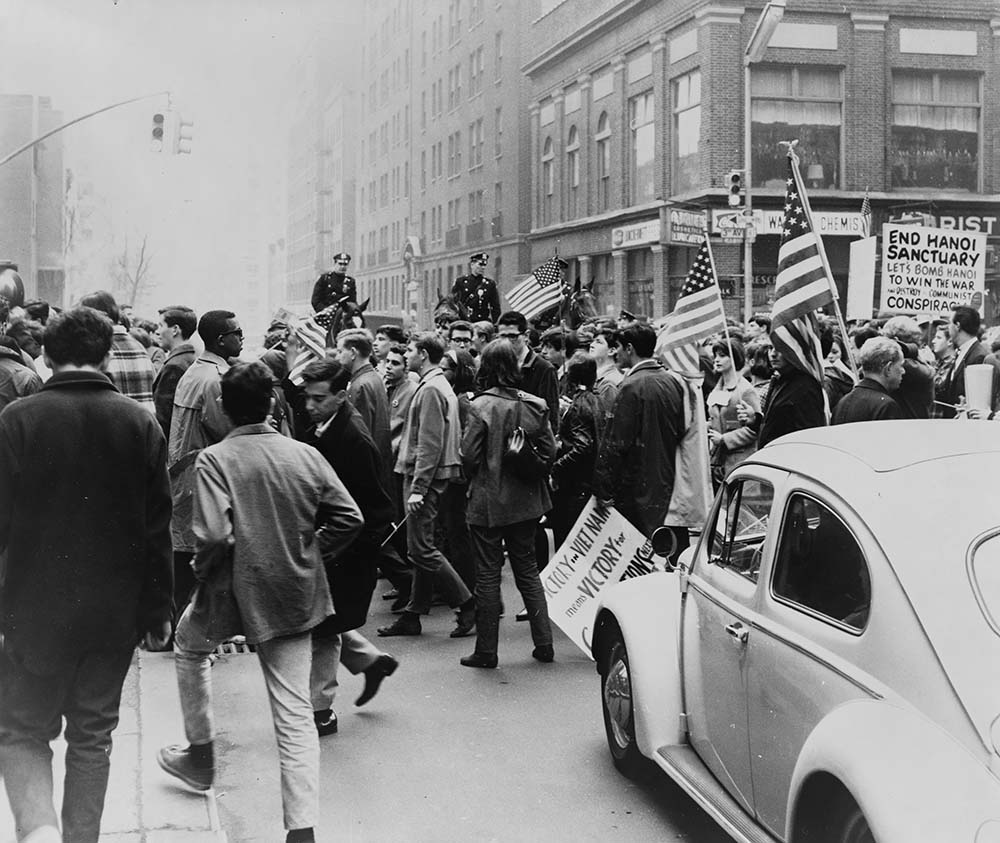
x: 330, y: 287
x: 480, y: 297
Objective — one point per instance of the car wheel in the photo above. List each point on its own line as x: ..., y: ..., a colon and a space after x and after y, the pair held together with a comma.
x: 855, y: 828
x: 619, y: 712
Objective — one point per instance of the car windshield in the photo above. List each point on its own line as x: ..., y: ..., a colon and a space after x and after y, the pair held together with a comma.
x: 986, y: 579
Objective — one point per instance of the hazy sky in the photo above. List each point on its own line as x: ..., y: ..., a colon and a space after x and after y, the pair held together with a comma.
x: 226, y: 64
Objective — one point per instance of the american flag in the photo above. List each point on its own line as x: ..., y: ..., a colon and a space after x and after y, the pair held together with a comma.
x: 696, y: 316
x: 539, y: 291
x: 866, y: 216
x: 802, y: 285
x: 311, y: 333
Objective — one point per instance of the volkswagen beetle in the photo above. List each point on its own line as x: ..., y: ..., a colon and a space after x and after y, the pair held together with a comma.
x: 825, y: 664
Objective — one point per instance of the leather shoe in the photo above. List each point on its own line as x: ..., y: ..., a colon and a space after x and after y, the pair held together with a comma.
x: 400, y: 604
x: 385, y: 665
x: 326, y: 722
x: 522, y: 615
x: 465, y: 620
x: 543, y: 653
x: 178, y: 761
x: 391, y: 594
x: 480, y: 660
x: 405, y: 624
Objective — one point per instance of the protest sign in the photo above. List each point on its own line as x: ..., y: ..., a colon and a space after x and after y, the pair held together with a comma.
x: 601, y: 549
x: 930, y: 270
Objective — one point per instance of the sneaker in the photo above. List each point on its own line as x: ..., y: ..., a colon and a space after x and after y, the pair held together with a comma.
x: 405, y: 624
x: 177, y: 761
x: 326, y: 722
x: 465, y: 620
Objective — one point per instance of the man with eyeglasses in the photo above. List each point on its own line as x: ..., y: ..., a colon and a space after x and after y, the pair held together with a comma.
x: 538, y: 376
x: 476, y: 292
x: 197, y: 422
x: 460, y: 335
x: 332, y: 287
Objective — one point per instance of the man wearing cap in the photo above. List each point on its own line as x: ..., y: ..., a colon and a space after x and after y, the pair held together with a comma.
x: 476, y: 292
x: 333, y: 286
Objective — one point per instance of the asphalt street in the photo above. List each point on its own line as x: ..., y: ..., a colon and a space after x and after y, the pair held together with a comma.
x: 449, y: 753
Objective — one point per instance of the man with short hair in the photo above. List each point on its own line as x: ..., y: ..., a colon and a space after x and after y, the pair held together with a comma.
x: 130, y: 368
x: 337, y: 285
x: 177, y: 324
x: 367, y: 389
x: 429, y: 458
x: 17, y: 378
x: 915, y: 393
x: 400, y: 389
x: 757, y: 325
x: 344, y: 441
x: 881, y: 362
x: 385, y: 336
x: 484, y: 332
x: 636, y: 460
x: 609, y: 376
x: 197, y: 422
x: 969, y: 351
x: 268, y: 511
x: 460, y: 335
x: 538, y: 377
x: 85, y: 543
x: 794, y: 401
x: 552, y: 349
x: 476, y: 292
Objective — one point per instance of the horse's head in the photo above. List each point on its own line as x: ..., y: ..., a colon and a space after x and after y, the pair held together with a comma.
x: 349, y: 314
x: 448, y: 309
x: 577, y: 306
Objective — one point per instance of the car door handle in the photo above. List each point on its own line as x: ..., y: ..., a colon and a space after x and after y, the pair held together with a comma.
x: 739, y: 632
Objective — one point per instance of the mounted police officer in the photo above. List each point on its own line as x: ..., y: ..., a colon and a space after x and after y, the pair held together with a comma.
x: 476, y: 292
x: 333, y: 286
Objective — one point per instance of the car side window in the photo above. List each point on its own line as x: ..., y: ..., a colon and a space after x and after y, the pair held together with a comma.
x: 820, y: 565
x: 741, y: 526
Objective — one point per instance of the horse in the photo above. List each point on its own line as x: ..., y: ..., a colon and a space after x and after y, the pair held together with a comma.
x: 346, y: 314
x: 575, y: 308
x: 449, y: 309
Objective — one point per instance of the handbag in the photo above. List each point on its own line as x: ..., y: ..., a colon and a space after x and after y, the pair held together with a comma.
x: 521, y: 457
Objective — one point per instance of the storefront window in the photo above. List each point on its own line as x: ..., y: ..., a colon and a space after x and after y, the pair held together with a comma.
x: 639, y: 271
x: 687, y: 131
x: 642, y: 182
x: 548, y: 181
x: 796, y: 102
x: 935, y: 130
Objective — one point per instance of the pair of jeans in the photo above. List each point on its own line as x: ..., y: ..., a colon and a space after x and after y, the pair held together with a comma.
x: 456, y: 527
x: 519, y: 541
x: 431, y: 568
x: 351, y: 649
x: 87, y: 692
x: 286, y: 663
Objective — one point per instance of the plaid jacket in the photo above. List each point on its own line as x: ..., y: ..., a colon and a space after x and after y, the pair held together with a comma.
x: 130, y: 368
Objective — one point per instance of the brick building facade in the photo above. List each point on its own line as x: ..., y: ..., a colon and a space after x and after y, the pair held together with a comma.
x: 637, y: 118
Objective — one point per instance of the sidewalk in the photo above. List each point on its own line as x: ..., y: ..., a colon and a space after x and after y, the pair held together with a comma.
x: 143, y: 804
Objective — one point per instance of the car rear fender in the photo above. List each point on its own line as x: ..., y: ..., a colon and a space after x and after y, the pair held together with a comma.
x: 910, y: 778
x: 647, y: 611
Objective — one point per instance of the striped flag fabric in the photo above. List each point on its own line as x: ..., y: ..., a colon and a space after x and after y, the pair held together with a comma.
x: 866, y: 216
x: 311, y: 334
x: 539, y: 291
x: 802, y: 285
x: 696, y: 316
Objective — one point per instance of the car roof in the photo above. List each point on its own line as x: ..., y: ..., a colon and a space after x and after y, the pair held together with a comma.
x: 886, y: 446
x: 924, y: 488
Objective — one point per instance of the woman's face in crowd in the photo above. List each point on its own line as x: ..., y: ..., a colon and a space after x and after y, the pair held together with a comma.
x: 722, y: 363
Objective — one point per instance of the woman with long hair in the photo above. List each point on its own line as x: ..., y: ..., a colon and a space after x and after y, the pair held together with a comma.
x: 504, y: 507
x: 730, y: 440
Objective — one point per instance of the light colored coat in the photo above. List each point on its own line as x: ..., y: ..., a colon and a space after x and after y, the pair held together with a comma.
x: 429, y: 445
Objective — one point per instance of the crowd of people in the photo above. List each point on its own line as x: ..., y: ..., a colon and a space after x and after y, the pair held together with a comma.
x: 180, y: 496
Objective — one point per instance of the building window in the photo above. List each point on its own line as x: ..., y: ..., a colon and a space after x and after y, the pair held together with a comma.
x: 498, y: 132
x: 935, y: 130
x: 687, y: 132
x: 603, y: 139
x: 548, y: 181
x: 642, y: 178
x: 476, y: 72
x: 498, y: 56
x: 476, y: 144
x: 572, y: 172
x: 796, y: 102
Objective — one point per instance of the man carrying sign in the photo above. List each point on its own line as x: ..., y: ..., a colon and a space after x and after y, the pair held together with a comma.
x: 635, y: 465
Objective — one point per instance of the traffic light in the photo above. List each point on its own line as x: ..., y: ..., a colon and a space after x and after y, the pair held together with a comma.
x: 156, y: 136
x: 735, y: 183
x: 183, y: 135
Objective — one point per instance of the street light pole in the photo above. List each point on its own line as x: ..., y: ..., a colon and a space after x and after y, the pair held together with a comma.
x: 767, y: 23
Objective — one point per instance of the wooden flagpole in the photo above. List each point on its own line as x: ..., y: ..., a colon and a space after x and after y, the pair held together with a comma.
x: 807, y: 208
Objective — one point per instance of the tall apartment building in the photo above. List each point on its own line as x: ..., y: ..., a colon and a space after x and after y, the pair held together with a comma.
x: 322, y: 139
x: 443, y: 170
x: 637, y: 119
x: 32, y: 196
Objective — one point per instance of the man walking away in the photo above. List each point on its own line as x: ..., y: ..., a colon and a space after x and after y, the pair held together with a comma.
x: 881, y: 361
x: 177, y: 324
x: 85, y: 532
x: 271, y: 508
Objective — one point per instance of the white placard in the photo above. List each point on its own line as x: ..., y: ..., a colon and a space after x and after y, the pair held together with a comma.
x: 930, y: 270
x: 602, y: 548
x: 861, y: 279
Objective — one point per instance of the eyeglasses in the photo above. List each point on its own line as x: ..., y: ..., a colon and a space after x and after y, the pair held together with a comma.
x: 238, y: 332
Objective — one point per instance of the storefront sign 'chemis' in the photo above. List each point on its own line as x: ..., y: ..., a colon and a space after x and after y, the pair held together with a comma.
x: 828, y: 223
